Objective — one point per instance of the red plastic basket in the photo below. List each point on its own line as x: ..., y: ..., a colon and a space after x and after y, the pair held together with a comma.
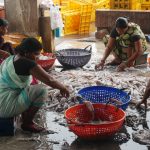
x: 47, y: 64
x: 80, y: 113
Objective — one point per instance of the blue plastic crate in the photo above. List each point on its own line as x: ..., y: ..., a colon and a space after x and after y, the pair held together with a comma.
x: 103, y: 94
x: 7, y: 127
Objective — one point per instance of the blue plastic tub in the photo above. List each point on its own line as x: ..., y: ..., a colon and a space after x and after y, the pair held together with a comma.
x: 103, y: 94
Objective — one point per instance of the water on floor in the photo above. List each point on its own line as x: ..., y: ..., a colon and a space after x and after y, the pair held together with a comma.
x: 59, y: 137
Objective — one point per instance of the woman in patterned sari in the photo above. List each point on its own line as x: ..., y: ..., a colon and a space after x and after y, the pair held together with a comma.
x: 126, y: 42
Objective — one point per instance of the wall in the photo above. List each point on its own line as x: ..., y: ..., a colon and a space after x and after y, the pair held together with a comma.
x: 106, y: 18
x: 23, y: 16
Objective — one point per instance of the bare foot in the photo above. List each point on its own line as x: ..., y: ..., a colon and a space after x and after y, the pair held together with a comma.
x: 33, y: 127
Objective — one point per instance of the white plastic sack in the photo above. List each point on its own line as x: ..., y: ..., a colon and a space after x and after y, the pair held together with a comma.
x: 46, y: 3
x: 55, y: 17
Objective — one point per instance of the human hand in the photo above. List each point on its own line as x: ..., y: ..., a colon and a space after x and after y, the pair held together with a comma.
x: 131, y: 64
x: 90, y: 108
x: 121, y: 67
x: 140, y: 103
x: 64, y: 92
x: 100, y: 66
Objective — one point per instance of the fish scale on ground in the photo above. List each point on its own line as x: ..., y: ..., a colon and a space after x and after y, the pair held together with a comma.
x: 78, y: 79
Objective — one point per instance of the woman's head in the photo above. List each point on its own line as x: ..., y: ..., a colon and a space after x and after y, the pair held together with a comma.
x: 3, y: 26
x: 29, y: 47
x: 121, y: 25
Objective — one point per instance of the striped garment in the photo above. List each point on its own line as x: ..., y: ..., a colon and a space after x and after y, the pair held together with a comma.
x: 16, y: 93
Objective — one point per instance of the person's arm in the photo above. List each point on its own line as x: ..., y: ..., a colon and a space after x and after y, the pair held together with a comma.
x: 147, y: 92
x: 39, y: 73
x: 146, y: 96
x: 136, y: 54
x: 109, y: 48
x: 138, y: 51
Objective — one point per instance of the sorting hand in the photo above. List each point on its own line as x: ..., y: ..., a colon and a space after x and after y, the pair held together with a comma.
x: 65, y: 92
x: 90, y: 108
x: 142, y: 102
x: 100, y: 66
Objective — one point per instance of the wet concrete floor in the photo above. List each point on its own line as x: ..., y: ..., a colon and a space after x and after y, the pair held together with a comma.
x: 63, y: 139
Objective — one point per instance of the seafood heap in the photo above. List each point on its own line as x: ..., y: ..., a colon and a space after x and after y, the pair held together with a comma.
x: 79, y: 78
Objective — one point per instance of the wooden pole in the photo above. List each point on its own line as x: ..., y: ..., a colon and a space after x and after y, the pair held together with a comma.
x: 47, y: 34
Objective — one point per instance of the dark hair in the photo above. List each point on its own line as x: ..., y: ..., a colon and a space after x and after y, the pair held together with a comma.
x: 28, y: 45
x: 3, y: 22
x: 122, y: 22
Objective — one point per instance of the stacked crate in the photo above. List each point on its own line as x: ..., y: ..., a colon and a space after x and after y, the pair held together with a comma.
x: 119, y: 4
x: 103, y: 4
x: 64, y: 2
x: 71, y: 18
x: 124, y: 4
x: 145, y: 4
x: 85, y: 18
x: 78, y: 14
x: 71, y: 22
x: 56, y: 2
x: 77, y: 18
x: 74, y: 5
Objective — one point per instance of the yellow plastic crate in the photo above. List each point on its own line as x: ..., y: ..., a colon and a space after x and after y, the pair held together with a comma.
x: 86, y: 8
x: 119, y: 5
x: 124, y: 4
x: 84, y: 29
x: 135, y: 6
x: 145, y: 7
x: 82, y: 5
x: 71, y: 22
x: 56, y: 2
x: 77, y: 17
x: 84, y: 26
x: 85, y: 19
x: 63, y: 9
x: 103, y: 4
x: 145, y: 2
x: 64, y: 2
x: 72, y: 5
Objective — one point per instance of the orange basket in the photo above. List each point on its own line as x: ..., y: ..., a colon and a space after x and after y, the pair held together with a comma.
x: 47, y: 64
x: 78, y: 118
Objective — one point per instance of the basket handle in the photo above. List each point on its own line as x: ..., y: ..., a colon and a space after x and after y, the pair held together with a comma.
x: 128, y: 94
x: 79, y: 98
x: 117, y: 103
x: 59, y: 54
x: 90, y: 48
